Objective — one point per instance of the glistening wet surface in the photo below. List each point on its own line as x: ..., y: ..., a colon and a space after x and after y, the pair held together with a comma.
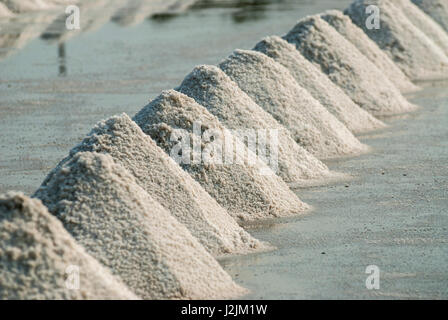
x: 393, y: 214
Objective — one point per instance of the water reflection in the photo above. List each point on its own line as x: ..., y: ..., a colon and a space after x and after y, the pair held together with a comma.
x: 17, y: 31
x: 61, y: 57
x: 246, y: 10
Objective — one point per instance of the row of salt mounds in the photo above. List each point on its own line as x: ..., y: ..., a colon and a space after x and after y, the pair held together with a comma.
x: 370, y: 49
x: 436, y: 9
x: 273, y: 88
x: 119, y: 224
x: 347, y: 67
x: 214, y: 90
x: 417, y: 55
x: 248, y: 191
x: 167, y: 183
x: 321, y: 88
x: 424, y: 22
x: 93, y: 15
x: 36, y: 253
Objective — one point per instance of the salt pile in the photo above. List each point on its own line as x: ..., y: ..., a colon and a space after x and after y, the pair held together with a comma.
x: 119, y: 224
x: 213, y: 89
x: 272, y: 86
x: 370, y: 49
x: 38, y: 258
x: 424, y: 22
x: 417, y: 55
x: 436, y: 9
x: 168, y: 184
x: 249, y: 191
x: 347, y: 67
x: 321, y: 88
x: 20, y: 6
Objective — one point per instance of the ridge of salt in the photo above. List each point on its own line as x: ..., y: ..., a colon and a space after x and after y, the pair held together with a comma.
x: 436, y: 9
x: 319, y: 85
x: 344, y: 25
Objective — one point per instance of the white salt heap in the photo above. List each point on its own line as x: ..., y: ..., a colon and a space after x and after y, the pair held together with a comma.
x: 213, y: 89
x: 272, y: 86
x: 319, y: 85
x: 37, y: 256
x: 436, y: 9
x: 168, y: 184
x: 118, y: 223
x: 424, y: 22
x: 344, y: 25
x: 419, y: 57
x: 347, y: 67
x: 249, y: 191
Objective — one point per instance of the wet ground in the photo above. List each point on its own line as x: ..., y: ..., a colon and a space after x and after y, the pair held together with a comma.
x: 393, y: 214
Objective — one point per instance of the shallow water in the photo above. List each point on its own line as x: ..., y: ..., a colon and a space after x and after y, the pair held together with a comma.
x: 52, y: 93
x: 393, y: 214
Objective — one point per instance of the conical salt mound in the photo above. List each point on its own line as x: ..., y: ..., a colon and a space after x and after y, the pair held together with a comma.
x: 321, y: 88
x: 418, y: 56
x: 347, y: 67
x: 40, y: 260
x: 424, y: 22
x: 106, y: 211
x: 214, y: 90
x: 436, y: 9
x: 273, y: 87
x: 249, y: 190
x: 344, y: 25
x: 168, y: 184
